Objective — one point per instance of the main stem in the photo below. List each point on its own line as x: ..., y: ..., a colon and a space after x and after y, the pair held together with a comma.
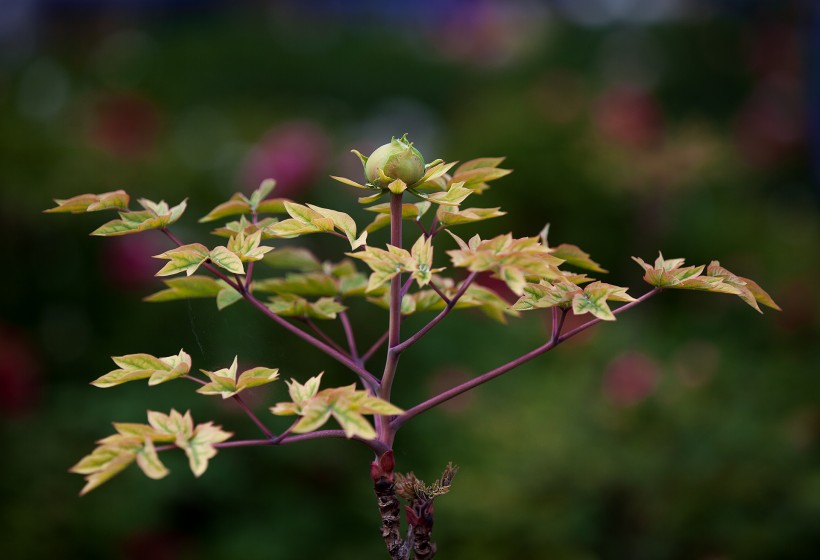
x: 385, y: 433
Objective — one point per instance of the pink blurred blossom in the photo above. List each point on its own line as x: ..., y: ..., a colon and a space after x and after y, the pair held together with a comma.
x: 630, y: 378
x: 20, y: 373
x: 127, y: 264
x: 629, y: 115
x: 125, y: 125
x: 293, y: 153
x: 769, y: 126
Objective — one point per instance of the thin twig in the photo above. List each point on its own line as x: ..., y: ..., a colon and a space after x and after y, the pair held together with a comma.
x: 440, y: 293
x: 378, y: 447
x: 242, y: 404
x: 444, y: 312
x: 376, y: 345
x: 324, y: 336
x: 368, y: 379
x: 351, y: 339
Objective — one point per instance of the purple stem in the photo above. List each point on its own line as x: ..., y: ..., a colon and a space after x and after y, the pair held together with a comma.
x: 369, y: 354
x: 440, y: 293
x: 351, y: 339
x: 378, y: 447
x: 395, y: 282
x: 242, y: 404
x: 435, y: 321
x: 367, y: 378
x: 555, y: 340
x: 323, y: 335
x: 373, y: 444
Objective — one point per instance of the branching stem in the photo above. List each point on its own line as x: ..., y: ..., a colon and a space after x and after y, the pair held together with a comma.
x: 451, y: 303
x: 368, y: 379
x: 242, y: 404
x: 554, y: 341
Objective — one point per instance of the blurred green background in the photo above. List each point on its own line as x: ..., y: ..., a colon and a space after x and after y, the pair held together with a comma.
x: 689, y: 429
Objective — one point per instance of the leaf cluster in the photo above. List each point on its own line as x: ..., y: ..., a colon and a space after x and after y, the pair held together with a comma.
x: 136, y: 442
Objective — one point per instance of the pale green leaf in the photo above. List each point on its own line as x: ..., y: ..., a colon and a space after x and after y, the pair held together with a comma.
x: 574, y: 256
x: 313, y: 284
x: 452, y: 216
x: 352, y: 422
x: 314, y: 415
x: 257, y: 376
x: 350, y: 182
x: 200, y: 447
x: 92, y: 202
x: 224, y: 258
x: 293, y: 258
x: 148, y: 461
x: 264, y: 189
x: 186, y: 288
x: 186, y: 258
x: 454, y: 196
x: 227, y: 296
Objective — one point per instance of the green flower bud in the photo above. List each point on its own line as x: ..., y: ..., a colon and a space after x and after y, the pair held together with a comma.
x: 397, y: 160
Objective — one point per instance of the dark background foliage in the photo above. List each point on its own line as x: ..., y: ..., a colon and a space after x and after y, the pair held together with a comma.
x: 689, y: 429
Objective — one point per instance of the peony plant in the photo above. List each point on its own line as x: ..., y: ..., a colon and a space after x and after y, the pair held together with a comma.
x: 553, y: 279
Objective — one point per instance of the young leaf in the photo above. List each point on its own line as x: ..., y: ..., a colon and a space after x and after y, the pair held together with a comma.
x: 264, y: 189
x: 148, y: 461
x: 186, y: 258
x: 351, y: 421
x: 293, y: 258
x: 181, y: 426
x: 749, y: 291
x: 515, y: 261
x: 92, y: 203
x: 112, y: 461
x: 477, y: 177
x: 574, y: 256
x: 343, y: 223
x: 227, y: 296
x: 223, y: 381
x: 200, y: 447
x: 345, y: 404
x: 290, y: 305
x: 452, y: 216
x: 312, y: 284
x: 593, y: 302
x: 246, y: 246
x: 454, y: 196
x: 145, y: 366
x: 255, y: 377
x: 384, y: 264
x: 422, y: 260
x: 670, y: 273
x: 227, y: 259
x: 186, y: 288
x: 351, y: 183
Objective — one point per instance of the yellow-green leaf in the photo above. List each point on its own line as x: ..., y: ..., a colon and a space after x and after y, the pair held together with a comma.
x: 186, y: 258
x: 186, y: 288
x: 92, y: 202
x: 148, y: 461
x: 224, y: 258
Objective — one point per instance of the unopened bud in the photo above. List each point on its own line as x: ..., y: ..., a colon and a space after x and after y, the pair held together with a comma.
x: 397, y: 160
